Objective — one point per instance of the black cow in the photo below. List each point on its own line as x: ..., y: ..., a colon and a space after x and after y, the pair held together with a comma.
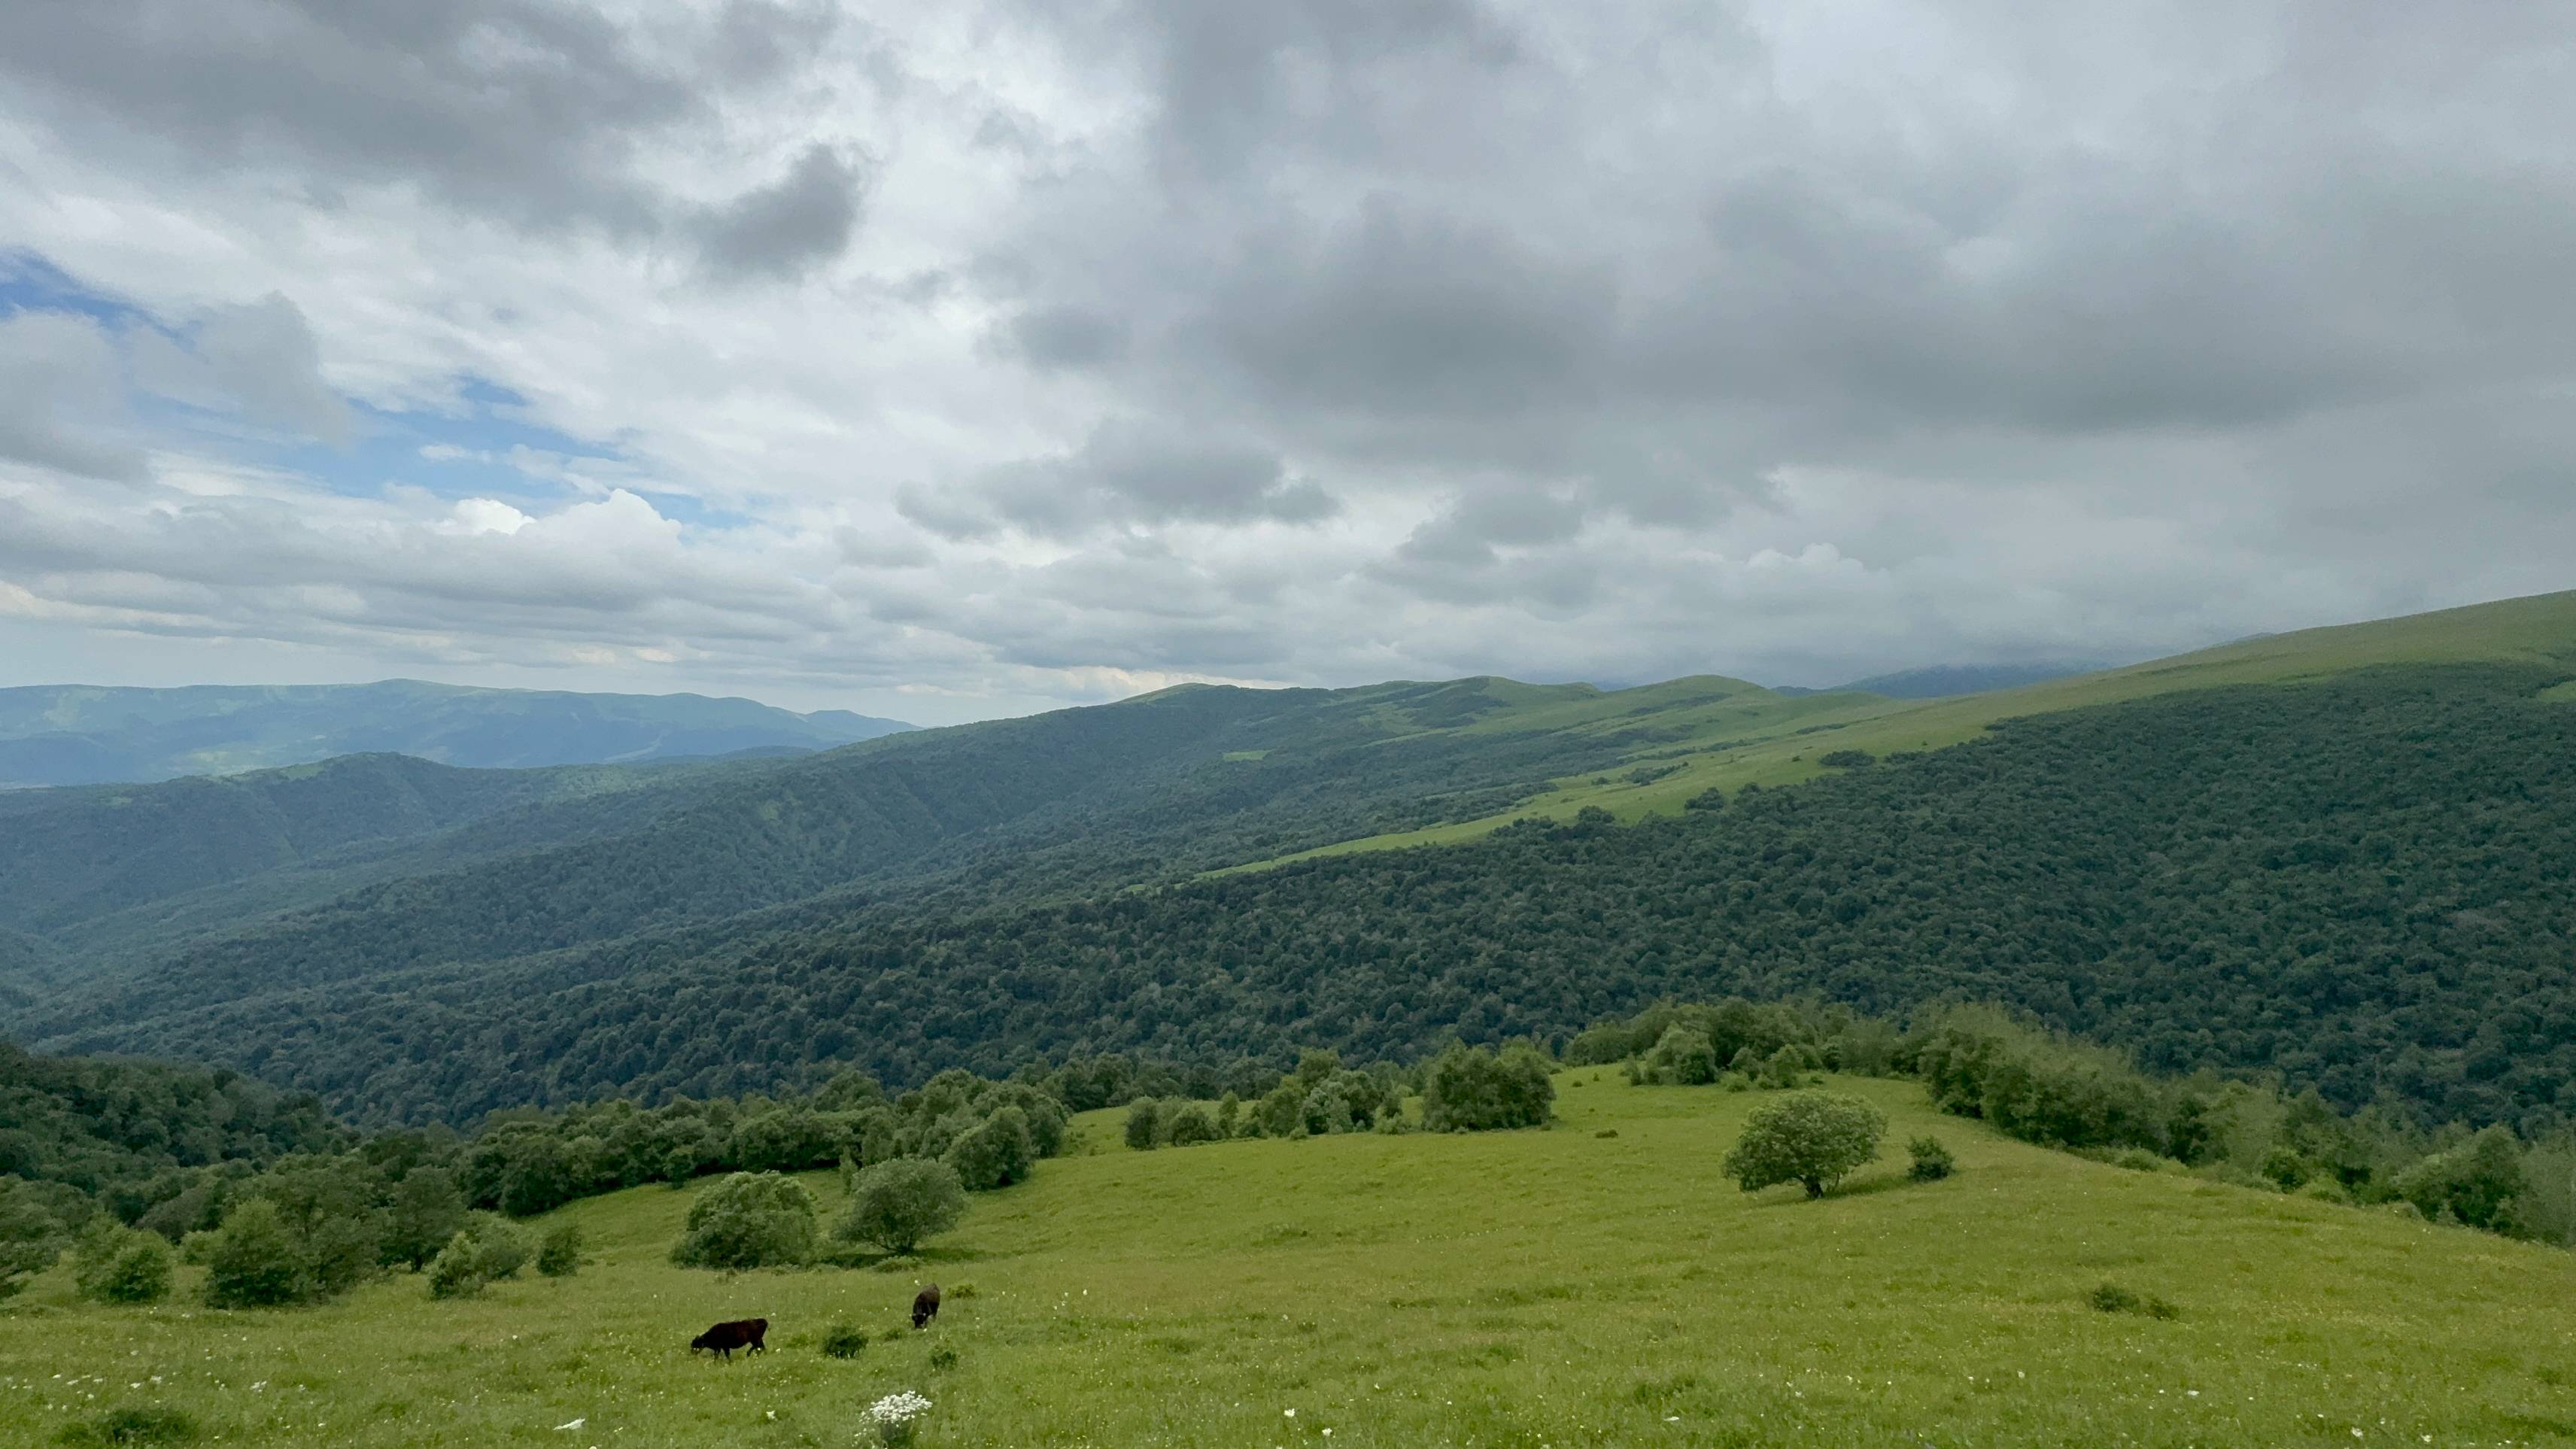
x: 925, y: 1306
x: 724, y: 1338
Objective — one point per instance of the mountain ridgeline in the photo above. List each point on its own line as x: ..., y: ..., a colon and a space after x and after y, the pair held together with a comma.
x: 77, y: 734
x: 2343, y: 857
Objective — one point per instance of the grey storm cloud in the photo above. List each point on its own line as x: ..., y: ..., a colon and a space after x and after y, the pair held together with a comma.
x: 1126, y: 473
x: 539, y: 113
x: 1326, y: 340
x: 781, y: 230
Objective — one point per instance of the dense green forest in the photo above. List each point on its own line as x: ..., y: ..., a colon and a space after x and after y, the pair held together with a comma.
x: 2362, y: 883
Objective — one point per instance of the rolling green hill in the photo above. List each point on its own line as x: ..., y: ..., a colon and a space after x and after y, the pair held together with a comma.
x: 1599, y: 1283
x: 76, y: 734
x: 2334, y: 854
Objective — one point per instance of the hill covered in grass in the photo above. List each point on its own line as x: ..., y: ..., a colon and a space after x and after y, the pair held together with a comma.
x: 79, y: 734
x: 1601, y: 1282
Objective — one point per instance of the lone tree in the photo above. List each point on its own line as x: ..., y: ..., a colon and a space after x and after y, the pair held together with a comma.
x: 749, y: 1220
x: 1813, y: 1139
x: 896, y: 1204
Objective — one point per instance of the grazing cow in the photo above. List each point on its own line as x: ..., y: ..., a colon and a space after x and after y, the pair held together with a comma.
x: 724, y: 1338
x: 925, y: 1306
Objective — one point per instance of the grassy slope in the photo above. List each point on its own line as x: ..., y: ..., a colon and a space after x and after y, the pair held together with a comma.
x: 1509, y: 1289
x: 1766, y: 739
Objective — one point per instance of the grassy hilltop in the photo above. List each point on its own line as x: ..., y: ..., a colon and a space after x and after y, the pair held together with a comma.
x: 1525, y: 1288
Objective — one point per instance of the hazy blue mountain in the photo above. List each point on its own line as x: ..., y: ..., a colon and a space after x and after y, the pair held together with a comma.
x: 1941, y: 681
x: 81, y: 735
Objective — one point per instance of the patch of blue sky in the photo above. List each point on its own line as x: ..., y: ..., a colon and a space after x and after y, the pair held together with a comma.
x: 30, y: 283
x: 488, y: 445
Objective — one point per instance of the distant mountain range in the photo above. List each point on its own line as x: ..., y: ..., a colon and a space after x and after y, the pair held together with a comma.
x: 1944, y: 681
x: 82, y: 735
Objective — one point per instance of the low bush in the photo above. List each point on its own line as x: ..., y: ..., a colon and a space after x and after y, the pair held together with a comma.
x: 2112, y: 1298
x: 560, y: 1255
x: 754, y: 1220
x: 1932, y: 1161
x: 133, y: 1427
x: 843, y: 1340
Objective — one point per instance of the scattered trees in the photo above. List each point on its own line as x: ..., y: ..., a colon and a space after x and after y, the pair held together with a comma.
x: 1814, y: 1139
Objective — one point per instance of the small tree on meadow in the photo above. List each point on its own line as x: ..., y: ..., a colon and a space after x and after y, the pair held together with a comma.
x: 427, y: 1211
x: 994, y: 1153
x: 560, y: 1255
x: 254, y: 1262
x: 1192, y: 1124
x: 1814, y: 1139
x: 1469, y: 1089
x: 749, y: 1220
x: 2475, y: 1182
x: 31, y: 1237
x: 112, y: 1263
x: 1144, y: 1124
x: 1682, y: 1057
x: 899, y: 1203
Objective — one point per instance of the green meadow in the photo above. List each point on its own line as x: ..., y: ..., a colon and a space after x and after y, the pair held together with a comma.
x: 1597, y: 1283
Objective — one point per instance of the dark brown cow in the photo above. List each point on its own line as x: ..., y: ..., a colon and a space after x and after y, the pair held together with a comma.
x: 724, y: 1338
x: 925, y: 1306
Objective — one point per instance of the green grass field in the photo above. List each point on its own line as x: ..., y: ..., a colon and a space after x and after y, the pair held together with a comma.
x: 1729, y: 734
x: 1539, y: 1288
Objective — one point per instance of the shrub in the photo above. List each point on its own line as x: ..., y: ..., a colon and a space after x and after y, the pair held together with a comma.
x: 1932, y: 1161
x: 1814, y: 1139
x: 112, y: 1263
x: 1682, y: 1057
x: 2286, y: 1168
x: 1328, y: 1109
x: 254, y: 1262
x: 135, y: 1424
x: 1144, y: 1124
x: 1469, y: 1089
x: 2473, y: 1182
x: 1846, y: 759
x: 897, y: 1204
x: 500, y: 1250
x: 1786, y: 1070
x: 844, y: 1340
x: 751, y: 1220
x: 1193, y: 1124
x: 994, y: 1153
x: 2112, y: 1298
x: 1711, y: 798
x: 428, y: 1209
x: 1229, y: 1111
x: 451, y: 1273
x: 31, y: 1237
x: 2139, y: 1159
x: 560, y: 1255
x: 943, y: 1358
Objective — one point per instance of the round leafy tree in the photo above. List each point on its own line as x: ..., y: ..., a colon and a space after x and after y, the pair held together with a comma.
x: 897, y: 1204
x: 749, y: 1220
x: 1814, y: 1139
x: 1683, y: 1057
x: 254, y: 1262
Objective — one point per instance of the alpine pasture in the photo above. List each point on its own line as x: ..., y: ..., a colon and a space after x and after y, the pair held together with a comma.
x: 1597, y: 1282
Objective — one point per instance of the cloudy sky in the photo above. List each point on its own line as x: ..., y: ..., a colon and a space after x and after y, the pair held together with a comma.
x: 1037, y: 353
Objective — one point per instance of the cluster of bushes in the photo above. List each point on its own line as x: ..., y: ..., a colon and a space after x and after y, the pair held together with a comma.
x: 303, y: 1226
x: 2045, y: 1088
x: 769, y: 1220
x: 1320, y: 1098
x: 1685, y: 1056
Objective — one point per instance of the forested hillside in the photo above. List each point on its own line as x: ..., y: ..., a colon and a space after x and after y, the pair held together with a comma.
x: 2363, y: 883
x: 77, y: 734
x: 1075, y: 800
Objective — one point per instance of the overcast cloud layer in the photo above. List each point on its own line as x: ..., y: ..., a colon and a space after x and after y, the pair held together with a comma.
x: 1035, y: 353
